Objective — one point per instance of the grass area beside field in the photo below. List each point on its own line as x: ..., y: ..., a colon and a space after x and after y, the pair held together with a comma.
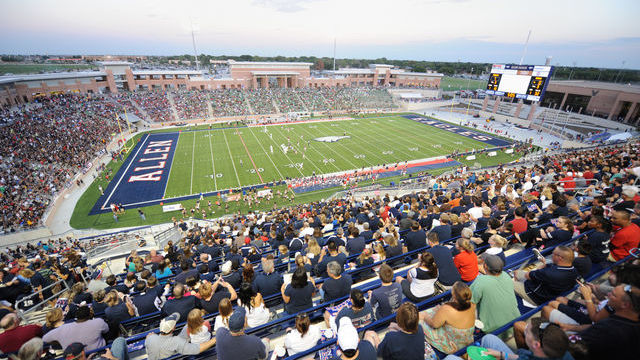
x: 449, y: 83
x: 37, y: 68
x: 192, y: 168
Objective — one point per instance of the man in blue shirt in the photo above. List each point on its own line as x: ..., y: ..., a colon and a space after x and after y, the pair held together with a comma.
x: 548, y: 281
x: 416, y: 238
x: 447, y: 272
x: 268, y: 282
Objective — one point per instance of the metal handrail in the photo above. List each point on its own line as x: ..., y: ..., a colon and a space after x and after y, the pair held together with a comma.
x: 44, y: 302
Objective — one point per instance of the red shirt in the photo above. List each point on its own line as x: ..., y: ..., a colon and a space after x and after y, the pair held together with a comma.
x: 12, y: 340
x: 587, y: 175
x: 568, y: 183
x: 624, y: 240
x: 467, y: 265
x: 519, y: 225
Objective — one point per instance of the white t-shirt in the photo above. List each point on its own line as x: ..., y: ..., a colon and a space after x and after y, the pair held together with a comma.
x: 421, y: 287
x: 476, y: 212
x: 220, y: 324
x: 295, y: 343
x: 257, y: 316
x: 201, y: 336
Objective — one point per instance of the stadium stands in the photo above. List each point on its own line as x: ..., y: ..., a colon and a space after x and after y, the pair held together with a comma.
x: 537, y: 202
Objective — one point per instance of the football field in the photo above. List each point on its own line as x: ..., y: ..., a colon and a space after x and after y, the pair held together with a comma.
x: 213, y: 160
x: 171, y: 166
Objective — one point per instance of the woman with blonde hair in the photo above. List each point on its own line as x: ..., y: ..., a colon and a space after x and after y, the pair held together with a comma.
x: 466, y: 261
x: 198, y: 330
x: 497, y: 244
x: 313, y: 248
x: 54, y: 318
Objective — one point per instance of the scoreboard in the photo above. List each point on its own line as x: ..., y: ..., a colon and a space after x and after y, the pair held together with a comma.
x: 527, y: 82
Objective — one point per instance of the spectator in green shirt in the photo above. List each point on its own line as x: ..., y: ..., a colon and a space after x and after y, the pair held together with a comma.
x: 493, y: 294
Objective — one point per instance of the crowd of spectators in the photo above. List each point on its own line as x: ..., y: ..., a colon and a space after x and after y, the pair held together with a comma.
x: 38, y: 157
x: 249, y: 269
x: 192, y: 104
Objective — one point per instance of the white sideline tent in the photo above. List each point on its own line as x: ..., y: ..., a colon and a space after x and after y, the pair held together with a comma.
x: 411, y: 96
x: 620, y: 136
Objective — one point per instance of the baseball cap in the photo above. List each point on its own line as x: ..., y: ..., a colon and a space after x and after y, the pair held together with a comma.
x: 236, y: 320
x: 493, y: 262
x: 73, y: 350
x: 347, y: 335
x: 169, y: 323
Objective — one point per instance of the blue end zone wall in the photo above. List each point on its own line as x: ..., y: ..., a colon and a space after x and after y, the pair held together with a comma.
x: 485, y: 138
x: 144, y: 175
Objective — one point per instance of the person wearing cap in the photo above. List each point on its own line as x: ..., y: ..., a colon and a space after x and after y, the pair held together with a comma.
x: 163, y: 344
x: 118, y: 351
x: 493, y: 294
x: 543, y: 340
x: 626, y: 202
x: 351, y: 348
x: 234, y: 344
x: 625, y: 239
x: 85, y: 330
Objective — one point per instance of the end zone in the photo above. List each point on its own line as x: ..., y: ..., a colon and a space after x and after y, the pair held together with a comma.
x: 144, y: 174
x: 475, y: 135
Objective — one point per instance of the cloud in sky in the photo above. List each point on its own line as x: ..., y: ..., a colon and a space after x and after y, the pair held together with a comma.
x: 592, y: 32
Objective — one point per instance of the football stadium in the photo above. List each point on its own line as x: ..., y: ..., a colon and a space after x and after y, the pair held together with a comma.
x: 300, y: 207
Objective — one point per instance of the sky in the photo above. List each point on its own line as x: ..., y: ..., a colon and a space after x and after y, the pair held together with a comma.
x: 598, y: 33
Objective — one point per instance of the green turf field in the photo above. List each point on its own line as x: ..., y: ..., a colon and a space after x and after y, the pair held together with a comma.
x: 193, y: 161
x: 449, y: 83
x: 241, y: 157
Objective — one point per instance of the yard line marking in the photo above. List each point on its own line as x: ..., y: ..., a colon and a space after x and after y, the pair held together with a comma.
x: 287, y: 156
x: 249, y: 154
x: 363, y: 148
x: 213, y: 162
x: 322, y: 155
x: 171, y: 168
x: 265, y: 151
x: 193, y: 159
x: 281, y: 129
x: 346, y: 159
x: 125, y: 172
x: 231, y: 156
